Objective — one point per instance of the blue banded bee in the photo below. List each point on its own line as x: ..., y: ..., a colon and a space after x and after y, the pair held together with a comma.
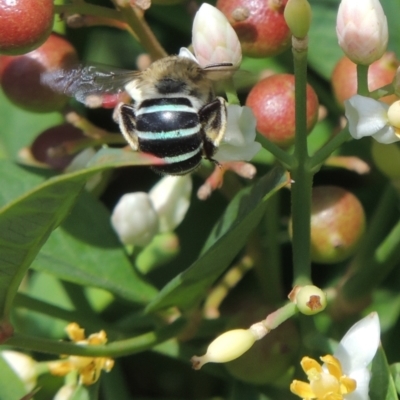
x: 174, y: 113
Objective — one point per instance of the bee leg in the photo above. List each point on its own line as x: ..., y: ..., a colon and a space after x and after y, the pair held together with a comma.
x: 127, y: 124
x: 213, y: 118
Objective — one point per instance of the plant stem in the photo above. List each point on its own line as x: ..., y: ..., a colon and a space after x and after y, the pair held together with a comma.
x: 324, y: 152
x: 114, y: 349
x: 301, y: 175
x: 230, y: 91
x: 146, y: 37
x: 362, y: 80
x: 284, y: 158
x: 89, y: 9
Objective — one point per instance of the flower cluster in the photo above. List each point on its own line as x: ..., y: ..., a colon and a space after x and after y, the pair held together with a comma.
x: 89, y: 368
x: 139, y: 216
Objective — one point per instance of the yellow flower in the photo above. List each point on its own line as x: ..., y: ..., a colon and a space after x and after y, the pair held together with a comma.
x: 89, y: 368
x: 329, y: 383
x: 345, y: 374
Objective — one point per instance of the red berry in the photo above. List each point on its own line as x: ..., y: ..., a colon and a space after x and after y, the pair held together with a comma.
x: 272, y: 101
x: 20, y: 75
x: 50, y: 146
x: 380, y: 73
x: 259, y: 24
x: 24, y: 24
x: 337, y: 224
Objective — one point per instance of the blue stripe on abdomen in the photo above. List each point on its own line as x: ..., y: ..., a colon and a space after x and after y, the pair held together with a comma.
x: 164, y: 121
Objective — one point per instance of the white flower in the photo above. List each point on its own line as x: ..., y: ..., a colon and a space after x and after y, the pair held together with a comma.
x: 171, y: 200
x: 238, y: 143
x: 362, y: 30
x: 134, y: 219
x: 139, y: 216
x: 345, y: 374
x: 214, y: 40
x: 23, y: 365
x: 369, y: 117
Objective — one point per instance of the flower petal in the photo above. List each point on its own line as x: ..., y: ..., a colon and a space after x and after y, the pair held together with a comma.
x: 359, y: 345
x: 238, y: 143
x: 134, y: 219
x: 362, y: 377
x: 184, y: 52
x: 386, y: 135
x: 171, y: 200
x: 366, y: 116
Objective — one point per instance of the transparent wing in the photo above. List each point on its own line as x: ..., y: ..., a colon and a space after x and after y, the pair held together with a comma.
x: 82, y: 81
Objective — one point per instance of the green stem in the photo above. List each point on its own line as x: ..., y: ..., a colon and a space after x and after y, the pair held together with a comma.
x: 279, y: 316
x: 284, y: 158
x: 145, y: 35
x: 325, y: 152
x: 230, y: 91
x: 362, y: 80
x: 114, y: 349
x: 382, y: 91
x: 273, y: 249
x: 301, y: 175
x: 88, y: 9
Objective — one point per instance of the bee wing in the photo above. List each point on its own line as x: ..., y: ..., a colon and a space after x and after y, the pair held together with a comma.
x: 82, y: 81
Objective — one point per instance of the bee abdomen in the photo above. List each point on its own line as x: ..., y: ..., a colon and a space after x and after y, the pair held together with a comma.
x: 170, y: 129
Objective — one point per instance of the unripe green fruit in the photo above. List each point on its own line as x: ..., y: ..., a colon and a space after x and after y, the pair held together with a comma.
x: 24, y: 25
x: 269, y: 358
x: 387, y: 158
x: 337, y: 224
x: 273, y: 104
x: 259, y: 24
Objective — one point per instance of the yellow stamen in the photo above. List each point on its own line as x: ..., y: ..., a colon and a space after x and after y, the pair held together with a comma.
x: 326, y: 383
x: 302, y: 389
x: 89, y: 368
x: 333, y: 365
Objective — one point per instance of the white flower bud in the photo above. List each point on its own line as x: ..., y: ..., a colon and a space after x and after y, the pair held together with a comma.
x: 171, y: 200
x: 214, y: 40
x: 135, y: 219
x: 362, y: 30
x: 226, y: 347
x: 238, y: 143
x: 23, y: 365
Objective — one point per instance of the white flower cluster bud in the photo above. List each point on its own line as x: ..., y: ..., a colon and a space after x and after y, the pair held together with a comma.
x: 139, y: 216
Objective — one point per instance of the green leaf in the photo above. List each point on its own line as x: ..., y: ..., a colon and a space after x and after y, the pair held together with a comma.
x: 85, y: 250
x: 16, y: 180
x: 381, y: 386
x: 19, y: 128
x: 26, y: 222
x: 225, y: 241
x: 395, y: 371
x: 11, y: 386
x: 391, y: 9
